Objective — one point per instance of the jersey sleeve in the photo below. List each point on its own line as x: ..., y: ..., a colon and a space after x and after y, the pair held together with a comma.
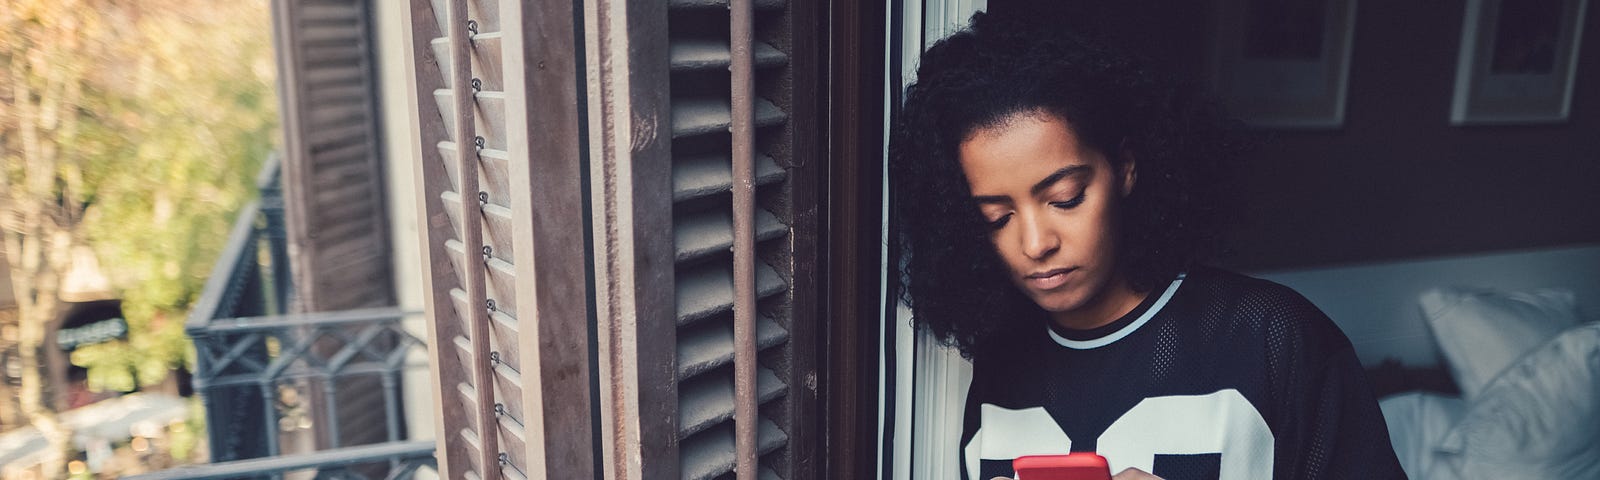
x: 1341, y: 433
x: 1331, y: 426
x: 970, y: 422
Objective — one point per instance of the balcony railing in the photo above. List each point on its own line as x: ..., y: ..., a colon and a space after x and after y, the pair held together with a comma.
x: 403, y: 459
x: 285, y: 359
x: 272, y: 383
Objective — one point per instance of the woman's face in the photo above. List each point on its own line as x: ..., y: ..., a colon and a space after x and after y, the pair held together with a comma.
x: 1051, y: 203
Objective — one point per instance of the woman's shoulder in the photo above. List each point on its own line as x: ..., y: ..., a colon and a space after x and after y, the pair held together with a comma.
x: 1240, y: 291
x: 1278, y: 313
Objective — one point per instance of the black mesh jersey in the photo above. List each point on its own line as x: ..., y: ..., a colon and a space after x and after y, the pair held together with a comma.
x: 1215, y: 376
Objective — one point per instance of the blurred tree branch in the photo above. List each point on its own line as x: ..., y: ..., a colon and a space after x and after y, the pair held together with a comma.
x: 134, y: 128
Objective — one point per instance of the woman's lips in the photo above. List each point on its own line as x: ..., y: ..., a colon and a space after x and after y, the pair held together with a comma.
x: 1050, y: 279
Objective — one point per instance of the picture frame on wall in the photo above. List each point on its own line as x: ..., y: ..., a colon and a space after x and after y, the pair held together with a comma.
x: 1517, y: 62
x: 1283, y: 64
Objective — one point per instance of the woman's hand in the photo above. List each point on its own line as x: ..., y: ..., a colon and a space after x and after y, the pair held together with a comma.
x: 1128, y: 474
x: 1134, y: 474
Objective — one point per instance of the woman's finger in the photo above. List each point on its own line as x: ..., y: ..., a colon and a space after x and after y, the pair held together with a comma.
x: 1134, y: 474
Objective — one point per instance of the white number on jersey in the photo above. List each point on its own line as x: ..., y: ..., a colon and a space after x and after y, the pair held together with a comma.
x: 1223, y: 422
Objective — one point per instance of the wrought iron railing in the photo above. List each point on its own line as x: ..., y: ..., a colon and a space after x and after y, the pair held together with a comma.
x: 403, y: 459
x: 304, y: 355
x: 250, y: 279
x: 261, y: 372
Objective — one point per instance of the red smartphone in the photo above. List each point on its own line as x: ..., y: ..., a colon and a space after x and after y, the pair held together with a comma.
x: 1075, y: 466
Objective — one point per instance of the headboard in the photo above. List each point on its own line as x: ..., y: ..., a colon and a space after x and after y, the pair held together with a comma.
x: 1376, y: 304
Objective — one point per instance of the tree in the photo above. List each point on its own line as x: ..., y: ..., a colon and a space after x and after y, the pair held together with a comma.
x: 134, y: 128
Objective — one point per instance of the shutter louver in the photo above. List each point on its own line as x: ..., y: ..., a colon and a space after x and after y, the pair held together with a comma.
x: 501, y: 214
x: 703, y: 237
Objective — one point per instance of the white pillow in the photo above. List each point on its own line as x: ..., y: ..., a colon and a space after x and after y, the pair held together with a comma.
x: 1538, y: 419
x: 1481, y: 332
x: 1417, y: 422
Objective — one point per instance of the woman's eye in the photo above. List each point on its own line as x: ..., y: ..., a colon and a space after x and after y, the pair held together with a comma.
x: 1000, y: 222
x: 1075, y: 201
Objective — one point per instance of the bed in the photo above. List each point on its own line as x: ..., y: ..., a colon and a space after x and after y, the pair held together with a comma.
x: 1487, y: 366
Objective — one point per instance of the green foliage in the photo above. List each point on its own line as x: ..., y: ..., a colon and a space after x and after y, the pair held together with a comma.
x: 177, y: 114
x: 186, y: 436
x: 186, y: 139
x: 143, y: 359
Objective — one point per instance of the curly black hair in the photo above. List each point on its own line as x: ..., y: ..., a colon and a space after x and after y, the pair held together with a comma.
x: 952, y: 276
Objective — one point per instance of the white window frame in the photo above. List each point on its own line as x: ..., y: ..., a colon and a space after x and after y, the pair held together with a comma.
x: 931, y: 380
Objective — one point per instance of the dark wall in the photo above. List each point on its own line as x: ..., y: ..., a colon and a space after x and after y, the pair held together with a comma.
x: 1397, y: 181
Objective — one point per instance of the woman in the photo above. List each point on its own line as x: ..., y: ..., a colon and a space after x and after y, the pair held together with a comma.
x: 1054, y: 198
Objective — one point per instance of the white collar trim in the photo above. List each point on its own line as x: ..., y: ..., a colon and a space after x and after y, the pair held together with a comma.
x: 1125, y: 331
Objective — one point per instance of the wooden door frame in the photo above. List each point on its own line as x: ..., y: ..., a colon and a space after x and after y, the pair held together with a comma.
x: 850, y: 186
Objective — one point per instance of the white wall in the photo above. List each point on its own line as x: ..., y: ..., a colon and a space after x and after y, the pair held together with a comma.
x: 400, y: 156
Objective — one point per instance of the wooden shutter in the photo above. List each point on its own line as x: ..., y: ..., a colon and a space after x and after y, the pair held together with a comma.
x: 662, y: 227
x: 333, y: 181
x: 703, y: 232
x: 661, y: 95
x: 496, y: 107
x: 663, y: 167
x: 334, y: 214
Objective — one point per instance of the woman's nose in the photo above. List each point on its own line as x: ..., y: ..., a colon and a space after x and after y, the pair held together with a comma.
x: 1038, y: 239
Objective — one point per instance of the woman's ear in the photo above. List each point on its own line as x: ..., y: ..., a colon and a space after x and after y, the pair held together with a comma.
x: 1129, y: 170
